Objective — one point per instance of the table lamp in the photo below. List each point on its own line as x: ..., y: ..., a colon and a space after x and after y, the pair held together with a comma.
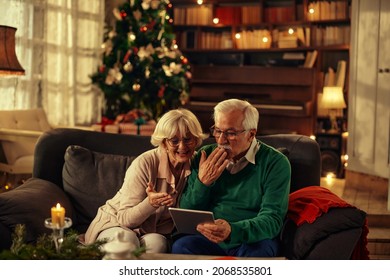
x: 333, y: 99
x: 9, y: 64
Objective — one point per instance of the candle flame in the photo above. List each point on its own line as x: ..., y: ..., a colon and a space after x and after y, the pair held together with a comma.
x: 58, y: 206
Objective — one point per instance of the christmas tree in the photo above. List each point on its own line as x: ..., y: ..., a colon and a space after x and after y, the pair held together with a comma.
x: 141, y: 65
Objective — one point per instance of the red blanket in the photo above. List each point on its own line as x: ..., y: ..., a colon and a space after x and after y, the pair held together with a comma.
x: 309, y: 203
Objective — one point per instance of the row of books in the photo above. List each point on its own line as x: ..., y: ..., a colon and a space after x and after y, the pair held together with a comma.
x: 208, y: 40
x: 229, y: 15
x: 331, y: 35
x: 284, y: 39
x: 249, y: 39
x: 329, y: 10
x: 253, y: 14
x: 336, y: 78
x: 213, y: 40
x: 279, y: 14
x: 193, y: 15
x: 263, y: 38
x: 254, y: 39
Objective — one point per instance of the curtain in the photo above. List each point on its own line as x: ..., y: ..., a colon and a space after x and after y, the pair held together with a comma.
x: 58, y: 44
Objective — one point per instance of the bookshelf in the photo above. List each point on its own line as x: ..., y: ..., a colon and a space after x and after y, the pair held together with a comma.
x: 265, y: 33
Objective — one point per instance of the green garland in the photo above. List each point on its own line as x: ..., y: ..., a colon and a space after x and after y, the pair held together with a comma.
x: 44, y: 248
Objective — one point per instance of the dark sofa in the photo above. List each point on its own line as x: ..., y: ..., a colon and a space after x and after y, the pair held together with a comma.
x: 82, y: 169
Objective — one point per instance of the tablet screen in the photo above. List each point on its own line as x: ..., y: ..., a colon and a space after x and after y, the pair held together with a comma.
x: 186, y: 220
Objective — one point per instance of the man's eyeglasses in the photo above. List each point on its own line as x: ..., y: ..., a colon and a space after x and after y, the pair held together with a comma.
x: 229, y: 134
x: 174, y: 142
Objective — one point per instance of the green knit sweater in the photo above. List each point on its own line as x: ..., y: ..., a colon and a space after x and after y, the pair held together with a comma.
x: 254, y: 201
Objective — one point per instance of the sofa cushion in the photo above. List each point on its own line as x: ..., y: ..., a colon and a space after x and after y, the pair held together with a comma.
x: 299, y: 240
x: 23, y: 205
x: 91, y: 178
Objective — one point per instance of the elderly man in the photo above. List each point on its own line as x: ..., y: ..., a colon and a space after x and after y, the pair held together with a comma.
x: 244, y: 182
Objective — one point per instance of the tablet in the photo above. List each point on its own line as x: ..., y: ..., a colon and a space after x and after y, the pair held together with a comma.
x: 186, y: 220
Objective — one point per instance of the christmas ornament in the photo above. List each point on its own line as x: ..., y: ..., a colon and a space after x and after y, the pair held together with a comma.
x: 114, y: 76
x: 145, y: 4
x: 131, y: 36
x: 127, y: 56
x: 184, y: 98
x: 154, y: 4
x: 137, y: 15
x: 136, y: 87
x: 128, y: 67
x: 147, y: 73
x: 161, y: 92
x: 143, y: 28
x: 145, y: 52
x: 184, y: 60
x: 123, y: 14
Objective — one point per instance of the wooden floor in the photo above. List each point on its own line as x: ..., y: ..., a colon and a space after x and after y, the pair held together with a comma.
x: 375, y: 204
x: 371, y: 201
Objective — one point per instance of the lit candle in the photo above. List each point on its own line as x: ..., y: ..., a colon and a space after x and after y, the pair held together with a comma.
x: 58, y: 215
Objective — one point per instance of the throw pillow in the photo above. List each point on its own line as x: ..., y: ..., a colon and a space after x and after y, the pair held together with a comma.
x: 30, y: 204
x: 91, y: 178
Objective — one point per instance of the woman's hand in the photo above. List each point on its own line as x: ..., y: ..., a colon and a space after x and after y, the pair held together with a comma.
x: 212, y: 167
x: 217, y: 232
x: 157, y: 199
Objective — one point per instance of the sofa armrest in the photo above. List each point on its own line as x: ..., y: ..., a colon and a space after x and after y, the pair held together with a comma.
x: 332, y: 235
x: 30, y: 204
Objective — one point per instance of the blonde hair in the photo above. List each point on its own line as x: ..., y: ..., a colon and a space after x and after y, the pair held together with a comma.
x: 178, y: 120
x: 251, y: 114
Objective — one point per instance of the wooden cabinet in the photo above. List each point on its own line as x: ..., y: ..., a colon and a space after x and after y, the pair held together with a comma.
x: 252, y: 36
x: 369, y: 100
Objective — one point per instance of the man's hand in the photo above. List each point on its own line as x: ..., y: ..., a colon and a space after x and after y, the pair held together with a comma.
x: 212, y: 167
x: 157, y: 199
x: 217, y: 232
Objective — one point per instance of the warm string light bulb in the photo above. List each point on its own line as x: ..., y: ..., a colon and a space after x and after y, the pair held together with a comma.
x: 237, y: 36
x: 311, y: 9
x: 311, y: 12
x: 200, y: 2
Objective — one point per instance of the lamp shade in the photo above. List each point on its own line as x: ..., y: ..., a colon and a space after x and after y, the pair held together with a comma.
x: 333, y: 98
x: 9, y: 64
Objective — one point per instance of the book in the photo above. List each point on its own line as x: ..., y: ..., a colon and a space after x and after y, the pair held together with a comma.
x: 293, y: 55
x: 307, y: 36
x: 340, y: 73
x: 301, y: 36
x: 329, y: 78
x: 310, y: 59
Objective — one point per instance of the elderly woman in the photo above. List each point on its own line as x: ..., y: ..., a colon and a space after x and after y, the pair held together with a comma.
x: 153, y: 182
